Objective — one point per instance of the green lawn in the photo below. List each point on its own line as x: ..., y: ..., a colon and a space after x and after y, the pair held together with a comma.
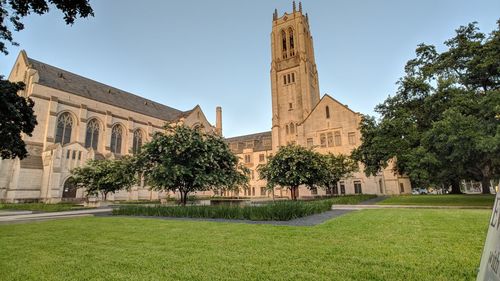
x: 441, y: 200
x: 40, y: 207
x: 363, y: 245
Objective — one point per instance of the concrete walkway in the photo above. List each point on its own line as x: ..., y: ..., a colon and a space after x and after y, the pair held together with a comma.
x: 18, y: 216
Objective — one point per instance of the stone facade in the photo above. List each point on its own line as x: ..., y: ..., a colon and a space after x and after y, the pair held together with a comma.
x: 92, y: 114
x: 301, y: 117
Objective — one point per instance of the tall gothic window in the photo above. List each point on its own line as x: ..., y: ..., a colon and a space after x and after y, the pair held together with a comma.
x: 290, y: 36
x: 64, y: 127
x: 137, y: 144
x: 327, y: 111
x: 92, y: 135
x: 283, y: 44
x: 116, y: 139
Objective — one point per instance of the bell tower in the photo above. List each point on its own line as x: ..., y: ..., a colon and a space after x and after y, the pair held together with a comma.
x: 294, y: 78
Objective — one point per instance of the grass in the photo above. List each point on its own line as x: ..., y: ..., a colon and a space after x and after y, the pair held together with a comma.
x: 42, y: 207
x: 364, y: 245
x: 442, y: 200
x: 280, y: 210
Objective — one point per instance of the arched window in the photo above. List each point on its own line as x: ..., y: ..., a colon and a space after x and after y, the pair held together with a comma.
x: 292, y: 129
x: 327, y: 111
x: 64, y: 127
x: 92, y: 135
x: 137, y: 144
x: 290, y: 36
x: 116, y: 139
x: 287, y: 130
x: 283, y: 43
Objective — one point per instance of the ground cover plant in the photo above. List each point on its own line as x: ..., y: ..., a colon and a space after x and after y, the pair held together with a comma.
x: 479, y: 200
x: 42, y: 207
x: 280, y: 210
x: 410, y: 245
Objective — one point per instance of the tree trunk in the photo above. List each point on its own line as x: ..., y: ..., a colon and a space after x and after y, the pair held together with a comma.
x: 184, y: 201
x: 294, y: 192
x: 455, y: 187
x: 485, y: 183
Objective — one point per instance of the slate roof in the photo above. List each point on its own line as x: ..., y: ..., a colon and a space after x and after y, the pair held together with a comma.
x: 66, y: 81
x: 256, y: 141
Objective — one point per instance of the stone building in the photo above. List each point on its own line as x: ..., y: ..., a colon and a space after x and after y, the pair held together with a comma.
x: 300, y: 116
x: 80, y: 119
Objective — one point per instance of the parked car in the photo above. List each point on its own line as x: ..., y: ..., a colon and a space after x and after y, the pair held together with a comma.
x: 419, y: 191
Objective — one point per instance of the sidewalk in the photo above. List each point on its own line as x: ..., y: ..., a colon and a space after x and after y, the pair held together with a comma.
x: 19, y: 216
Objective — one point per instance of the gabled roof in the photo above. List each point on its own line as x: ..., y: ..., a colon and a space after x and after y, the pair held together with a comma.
x: 257, y: 142
x: 66, y: 81
x: 250, y: 137
x: 334, y: 100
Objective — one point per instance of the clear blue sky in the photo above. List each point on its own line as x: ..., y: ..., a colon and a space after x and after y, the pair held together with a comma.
x: 213, y: 53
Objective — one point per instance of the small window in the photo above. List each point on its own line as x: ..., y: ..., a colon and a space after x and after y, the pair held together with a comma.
x: 79, y: 155
x: 253, y: 191
x: 310, y: 142
x: 247, y: 158
x: 262, y: 191
x: 330, y: 139
x: 327, y: 111
x: 322, y: 140
x: 293, y: 77
x: 338, y: 140
x: 261, y: 158
x: 73, y: 155
x: 314, y: 191
x: 401, y: 187
x: 68, y: 152
x: 284, y: 79
x: 342, y: 188
x: 357, y: 187
x: 288, y: 78
x: 352, y: 138
x: 292, y: 129
x: 287, y: 130
x: 290, y: 105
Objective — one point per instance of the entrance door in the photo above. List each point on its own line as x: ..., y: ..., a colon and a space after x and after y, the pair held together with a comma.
x: 69, y: 190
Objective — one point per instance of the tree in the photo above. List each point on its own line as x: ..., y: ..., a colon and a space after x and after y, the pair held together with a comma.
x: 293, y: 166
x: 15, y: 10
x: 188, y: 160
x: 105, y: 176
x: 16, y: 117
x: 337, y: 167
x: 442, y: 125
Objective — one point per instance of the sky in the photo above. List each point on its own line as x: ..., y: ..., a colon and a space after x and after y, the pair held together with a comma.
x: 217, y: 53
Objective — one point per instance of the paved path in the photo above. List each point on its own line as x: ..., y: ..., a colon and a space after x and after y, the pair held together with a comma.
x: 366, y: 206
x: 16, y: 218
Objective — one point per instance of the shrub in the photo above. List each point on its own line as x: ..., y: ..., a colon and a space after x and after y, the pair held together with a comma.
x: 279, y: 211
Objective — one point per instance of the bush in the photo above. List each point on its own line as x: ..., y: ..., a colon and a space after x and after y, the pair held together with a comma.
x: 40, y: 207
x: 279, y: 211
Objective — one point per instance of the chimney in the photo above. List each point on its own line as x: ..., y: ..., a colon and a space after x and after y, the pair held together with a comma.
x: 218, y: 120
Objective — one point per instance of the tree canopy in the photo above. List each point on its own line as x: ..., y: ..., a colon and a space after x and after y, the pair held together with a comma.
x: 16, y: 117
x: 443, y: 123
x: 187, y: 160
x: 292, y: 166
x: 15, y: 10
x: 336, y: 167
x: 105, y: 176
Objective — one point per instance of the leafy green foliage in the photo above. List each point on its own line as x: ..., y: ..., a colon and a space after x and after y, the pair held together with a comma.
x: 337, y: 167
x: 293, y: 166
x: 16, y: 117
x: 105, y: 176
x: 443, y: 124
x: 188, y: 160
x: 15, y: 10
x: 278, y: 211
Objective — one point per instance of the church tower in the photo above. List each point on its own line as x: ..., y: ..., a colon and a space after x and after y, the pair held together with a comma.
x: 294, y: 78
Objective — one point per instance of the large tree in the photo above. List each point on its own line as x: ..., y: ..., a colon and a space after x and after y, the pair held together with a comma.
x: 16, y: 117
x: 105, y: 176
x: 293, y: 166
x: 186, y: 160
x: 15, y: 10
x: 442, y: 125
